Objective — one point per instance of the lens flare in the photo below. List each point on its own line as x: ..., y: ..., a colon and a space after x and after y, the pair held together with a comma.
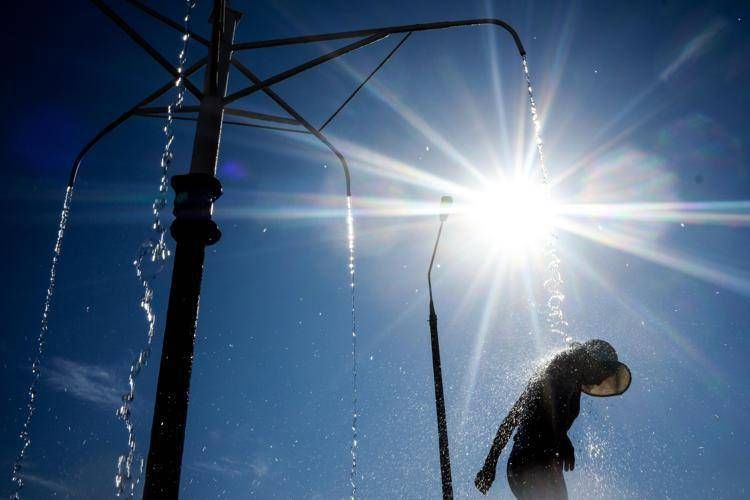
x: 512, y: 215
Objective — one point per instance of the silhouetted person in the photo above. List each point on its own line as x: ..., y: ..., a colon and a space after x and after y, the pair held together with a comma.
x: 544, y: 413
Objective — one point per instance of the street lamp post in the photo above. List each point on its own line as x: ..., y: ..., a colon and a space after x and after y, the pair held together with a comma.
x: 437, y: 371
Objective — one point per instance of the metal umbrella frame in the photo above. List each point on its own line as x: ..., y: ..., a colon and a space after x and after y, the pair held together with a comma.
x: 196, y: 192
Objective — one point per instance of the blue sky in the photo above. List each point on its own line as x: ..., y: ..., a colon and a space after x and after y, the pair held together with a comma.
x: 644, y: 107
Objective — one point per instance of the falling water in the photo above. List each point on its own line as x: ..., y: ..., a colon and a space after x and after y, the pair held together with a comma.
x: 355, y: 401
x: 554, y: 283
x: 149, y: 262
x: 41, y: 342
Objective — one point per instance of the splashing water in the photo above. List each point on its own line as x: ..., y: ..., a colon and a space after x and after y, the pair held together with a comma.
x: 149, y: 262
x: 355, y: 402
x: 41, y: 342
x: 554, y: 282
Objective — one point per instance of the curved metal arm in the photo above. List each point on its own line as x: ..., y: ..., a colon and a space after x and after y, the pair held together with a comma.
x: 385, y: 30
x: 123, y: 117
x: 293, y: 113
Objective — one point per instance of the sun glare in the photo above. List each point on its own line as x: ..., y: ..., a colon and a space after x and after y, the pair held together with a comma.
x: 514, y: 215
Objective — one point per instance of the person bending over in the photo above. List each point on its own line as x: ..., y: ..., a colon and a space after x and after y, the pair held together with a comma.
x: 543, y: 415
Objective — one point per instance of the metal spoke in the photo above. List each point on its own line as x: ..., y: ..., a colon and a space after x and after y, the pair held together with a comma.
x: 302, y: 67
x: 120, y: 22
x: 227, y: 122
x: 167, y: 21
x: 123, y: 117
x: 364, y: 82
x: 229, y: 111
x: 292, y: 112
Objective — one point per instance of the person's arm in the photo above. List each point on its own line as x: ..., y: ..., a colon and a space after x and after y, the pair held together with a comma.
x: 486, y: 476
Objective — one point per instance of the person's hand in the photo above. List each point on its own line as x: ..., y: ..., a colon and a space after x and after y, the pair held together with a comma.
x: 485, y: 478
x: 567, y: 454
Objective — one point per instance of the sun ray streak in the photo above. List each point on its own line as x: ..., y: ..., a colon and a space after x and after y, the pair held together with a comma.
x: 481, y: 338
x: 730, y: 279
x: 410, y: 116
x: 656, y: 324
x: 732, y: 213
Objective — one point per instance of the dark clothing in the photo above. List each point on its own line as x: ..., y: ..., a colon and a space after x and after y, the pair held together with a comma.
x: 543, y: 415
x: 552, y: 403
x: 536, y: 474
x: 541, y: 418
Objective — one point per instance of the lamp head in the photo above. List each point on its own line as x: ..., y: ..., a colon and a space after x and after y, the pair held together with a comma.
x: 445, y: 203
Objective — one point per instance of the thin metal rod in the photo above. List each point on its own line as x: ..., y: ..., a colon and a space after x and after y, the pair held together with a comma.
x: 292, y: 112
x: 260, y: 116
x: 228, y: 111
x: 122, y: 118
x: 228, y: 122
x: 303, y: 67
x: 432, y: 260
x: 133, y: 34
x: 387, y: 30
x: 167, y: 21
x: 214, y: 51
x: 437, y: 373
x: 364, y: 82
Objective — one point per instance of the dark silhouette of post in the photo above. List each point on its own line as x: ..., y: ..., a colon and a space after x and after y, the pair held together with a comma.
x: 196, y: 192
x: 437, y: 371
x: 193, y: 230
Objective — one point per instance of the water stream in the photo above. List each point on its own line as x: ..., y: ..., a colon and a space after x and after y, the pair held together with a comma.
x: 149, y: 262
x: 25, y: 434
x: 553, y: 283
x: 355, y: 396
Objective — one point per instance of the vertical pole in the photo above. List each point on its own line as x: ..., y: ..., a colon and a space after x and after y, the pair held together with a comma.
x: 437, y: 372
x: 193, y: 230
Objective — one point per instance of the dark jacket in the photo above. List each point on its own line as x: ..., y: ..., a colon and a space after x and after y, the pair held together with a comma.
x: 549, y: 405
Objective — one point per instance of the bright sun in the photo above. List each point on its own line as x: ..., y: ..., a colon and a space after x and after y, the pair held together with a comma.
x: 513, y: 215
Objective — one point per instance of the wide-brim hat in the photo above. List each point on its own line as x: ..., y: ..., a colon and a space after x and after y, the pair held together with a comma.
x: 605, y: 358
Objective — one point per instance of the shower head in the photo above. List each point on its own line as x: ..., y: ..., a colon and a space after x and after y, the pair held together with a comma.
x: 445, y: 203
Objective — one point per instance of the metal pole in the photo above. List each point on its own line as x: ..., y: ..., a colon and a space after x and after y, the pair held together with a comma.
x: 193, y: 230
x: 437, y: 372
